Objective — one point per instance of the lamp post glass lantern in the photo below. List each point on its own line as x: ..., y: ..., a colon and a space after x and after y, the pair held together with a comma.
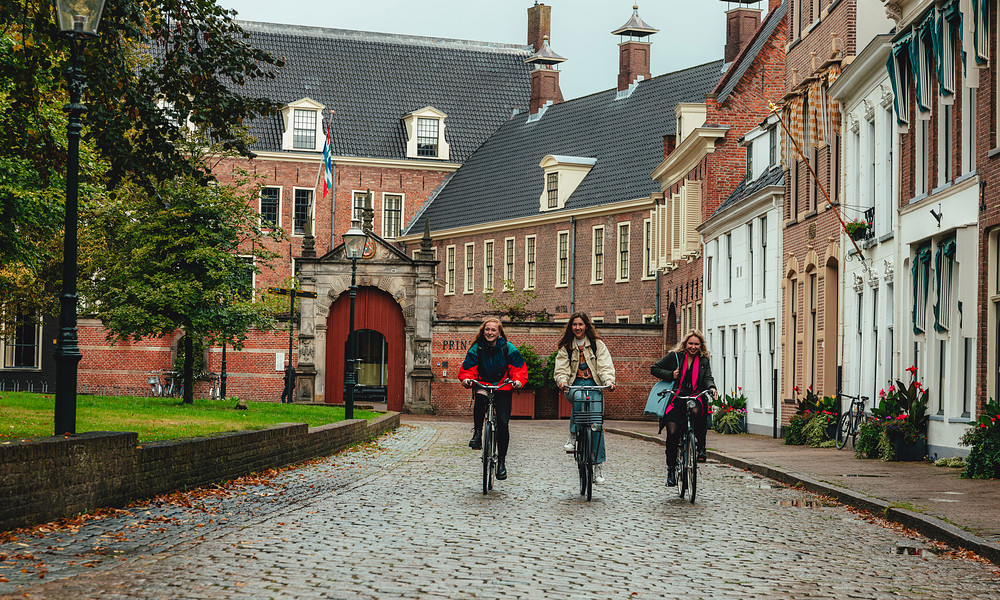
x: 354, y: 247
x: 78, y: 20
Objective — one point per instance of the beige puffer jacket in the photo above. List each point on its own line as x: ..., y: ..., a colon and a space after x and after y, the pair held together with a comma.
x: 600, y: 364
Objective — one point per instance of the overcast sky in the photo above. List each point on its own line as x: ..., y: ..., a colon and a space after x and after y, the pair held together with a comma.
x: 692, y: 32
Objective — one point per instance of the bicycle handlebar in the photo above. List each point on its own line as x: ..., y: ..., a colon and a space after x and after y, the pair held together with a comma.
x: 695, y: 397
x: 486, y: 386
x: 586, y: 388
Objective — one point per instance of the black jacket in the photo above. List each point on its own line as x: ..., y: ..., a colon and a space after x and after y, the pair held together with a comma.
x: 665, y: 367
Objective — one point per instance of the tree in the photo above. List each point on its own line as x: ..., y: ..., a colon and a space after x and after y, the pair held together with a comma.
x: 177, y: 260
x: 155, y: 65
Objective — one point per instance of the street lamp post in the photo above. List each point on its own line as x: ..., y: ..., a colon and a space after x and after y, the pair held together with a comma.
x: 354, y: 247
x: 78, y: 20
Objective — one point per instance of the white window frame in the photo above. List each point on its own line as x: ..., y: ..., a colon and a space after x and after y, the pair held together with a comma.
x: 469, y: 267
x: 411, y: 124
x: 260, y: 198
x: 562, y: 262
x: 509, y: 260
x: 288, y: 119
x: 648, y: 250
x: 385, y: 209
x: 310, y: 219
x: 449, y: 270
x: 357, y: 212
x: 489, y: 264
x: 623, y: 255
x: 622, y: 319
x: 7, y: 345
x: 530, y: 262
x: 595, y: 276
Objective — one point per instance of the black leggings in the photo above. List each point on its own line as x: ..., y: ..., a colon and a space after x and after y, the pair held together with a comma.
x: 700, y: 424
x: 502, y: 403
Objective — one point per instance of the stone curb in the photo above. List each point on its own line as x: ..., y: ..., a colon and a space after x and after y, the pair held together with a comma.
x: 926, y: 525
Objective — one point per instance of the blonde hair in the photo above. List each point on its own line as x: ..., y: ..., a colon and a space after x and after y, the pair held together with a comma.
x: 481, y: 337
x: 683, y: 341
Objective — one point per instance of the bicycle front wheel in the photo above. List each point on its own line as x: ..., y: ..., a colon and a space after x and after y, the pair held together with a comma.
x: 487, y: 457
x: 843, y: 430
x: 682, y: 462
x: 691, y: 464
x: 583, y: 461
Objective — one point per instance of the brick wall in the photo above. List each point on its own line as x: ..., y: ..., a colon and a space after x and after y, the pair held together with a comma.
x: 49, y: 478
x: 634, y: 348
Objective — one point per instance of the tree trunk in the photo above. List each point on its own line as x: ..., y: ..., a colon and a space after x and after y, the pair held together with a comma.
x: 188, y: 368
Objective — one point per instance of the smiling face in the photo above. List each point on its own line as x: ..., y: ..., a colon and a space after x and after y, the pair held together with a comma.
x: 578, y: 327
x: 693, y: 345
x: 491, y: 331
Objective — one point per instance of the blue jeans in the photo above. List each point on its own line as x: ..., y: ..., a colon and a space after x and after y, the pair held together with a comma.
x: 579, y: 400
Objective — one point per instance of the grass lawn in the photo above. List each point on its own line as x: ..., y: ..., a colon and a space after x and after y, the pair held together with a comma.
x: 25, y: 415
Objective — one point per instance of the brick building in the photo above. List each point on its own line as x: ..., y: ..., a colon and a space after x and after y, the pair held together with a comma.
x: 403, y: 113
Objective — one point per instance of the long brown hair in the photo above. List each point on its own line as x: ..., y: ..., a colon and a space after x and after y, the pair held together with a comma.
x: 680, y: 344
x: 566, y: 341
x: 482, y: 338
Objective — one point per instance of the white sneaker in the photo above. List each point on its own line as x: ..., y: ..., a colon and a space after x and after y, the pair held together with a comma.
x: 598, y: 474
x: 570, y: 443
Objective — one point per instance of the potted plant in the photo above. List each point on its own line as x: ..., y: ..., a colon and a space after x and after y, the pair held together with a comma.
x: 857, y: 228
x: 898, y: 428
x: 730, y: 413
x: 523, y: 400
x: 983, y: 461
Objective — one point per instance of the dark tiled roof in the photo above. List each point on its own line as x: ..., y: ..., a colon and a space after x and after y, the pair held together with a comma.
x: 775, y: 175
x: 502, y: 179
x: 747, y: 56
x: 371, y: 80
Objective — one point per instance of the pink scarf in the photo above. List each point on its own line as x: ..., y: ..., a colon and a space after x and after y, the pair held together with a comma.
x: 694, y: 379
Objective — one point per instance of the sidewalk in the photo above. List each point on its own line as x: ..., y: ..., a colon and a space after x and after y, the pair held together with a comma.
x: 963, y: 513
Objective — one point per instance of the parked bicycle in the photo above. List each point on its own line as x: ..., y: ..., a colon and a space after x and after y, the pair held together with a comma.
x: 588, y: 420
x: 688, y: 457
x: 849, y: 422
x: 164, y: 384
x: 490, y: 455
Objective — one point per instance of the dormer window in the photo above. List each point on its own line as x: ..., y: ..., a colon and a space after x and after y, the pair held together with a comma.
x: 562, y: 175
x: 303, y: 123
x: 425, y: 134
x: 690, y: 116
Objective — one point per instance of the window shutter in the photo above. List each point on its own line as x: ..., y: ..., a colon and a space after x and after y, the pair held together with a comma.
x: 662, y: 234
x: 676, y: 226
x: 693, y: 216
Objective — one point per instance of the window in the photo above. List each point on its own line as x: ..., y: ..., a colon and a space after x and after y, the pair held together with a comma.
x: 772, y: 138
x: 360, y: 201
x: 993, y: 323
x: 888, y: 171
x: 392, y: 215
x: 945, y: 266
x: 302, y: 212
x: 920, y: 286
x: 270, y: 204
x: 648, y: 260
x: 23, y: 349
x: 552, y: 189
x: 947, y: 144
x: 729, y: 265
x: 923, y: 157
x: 470, y: 266
x: 623, y: 249
x: 749, y: 162
x: 623, y: 318
x: 508, y: 269
x: 243, y: 286
x: 488, y: 266
x: 529, y: 262
x: 562, y: 258
x: 793, y: 333
x: 449, y: 270
x: 813, y: 324
x: 942, y: 370
x: 597, y: 261
x: 872, y: 174
x: 970, y: 107
x: 709, y: 269
x: 304, y: 129
x: 427, y: 137
x: 750, y: 262
x: 763, y: 256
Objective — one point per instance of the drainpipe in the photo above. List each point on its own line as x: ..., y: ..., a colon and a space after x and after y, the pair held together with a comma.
x: 572, y: 267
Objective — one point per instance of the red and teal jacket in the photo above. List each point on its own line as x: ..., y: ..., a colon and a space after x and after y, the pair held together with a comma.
x: 492, y: 364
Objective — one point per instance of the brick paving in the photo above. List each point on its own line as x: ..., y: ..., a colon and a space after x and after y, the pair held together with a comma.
x: 405, y: 518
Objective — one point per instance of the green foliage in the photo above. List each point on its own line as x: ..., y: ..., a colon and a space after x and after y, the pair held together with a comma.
x: 728, y: 422
x: 954, y: 462
x: 983, y: 461
x: 510, y: 302
x: 808, y: 404
x: 815, y: 430
x: 866, y: 444
x: 795, y: 434
x: 550, y: 370
x: 827, y: 405
x: 536, y: 367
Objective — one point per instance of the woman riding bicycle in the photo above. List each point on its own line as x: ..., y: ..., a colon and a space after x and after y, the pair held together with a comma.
x: 689, y: 366
x: 583, y: 359
x: 490, y: 360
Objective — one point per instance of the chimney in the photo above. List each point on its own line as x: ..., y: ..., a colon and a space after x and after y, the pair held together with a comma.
x: 741, y: 24
x: 773, y: 4
x: 669, y: 144
x: 633, y: 52
x: 539, y: 25
x: 545, y: 77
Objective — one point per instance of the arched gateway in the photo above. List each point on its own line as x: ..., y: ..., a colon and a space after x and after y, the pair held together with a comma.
x: 395, y: 298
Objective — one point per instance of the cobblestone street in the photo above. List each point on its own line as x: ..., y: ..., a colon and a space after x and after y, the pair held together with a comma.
x: 405, y: 518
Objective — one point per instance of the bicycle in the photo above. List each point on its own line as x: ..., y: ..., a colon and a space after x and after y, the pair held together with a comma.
x: 155, y: 385
x: 849, y: 422
x: 586, y: 419
x: 688, y: 456
x: 489, y: 440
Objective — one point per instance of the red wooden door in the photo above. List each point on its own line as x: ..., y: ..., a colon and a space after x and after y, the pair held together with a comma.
x: 373, y: 309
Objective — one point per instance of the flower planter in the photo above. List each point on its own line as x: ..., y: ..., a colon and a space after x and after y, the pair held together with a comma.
x: 909, y: 451
x: 859, y: 234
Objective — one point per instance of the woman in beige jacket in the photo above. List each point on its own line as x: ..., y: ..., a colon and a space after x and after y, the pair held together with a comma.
x: 583, y: 359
